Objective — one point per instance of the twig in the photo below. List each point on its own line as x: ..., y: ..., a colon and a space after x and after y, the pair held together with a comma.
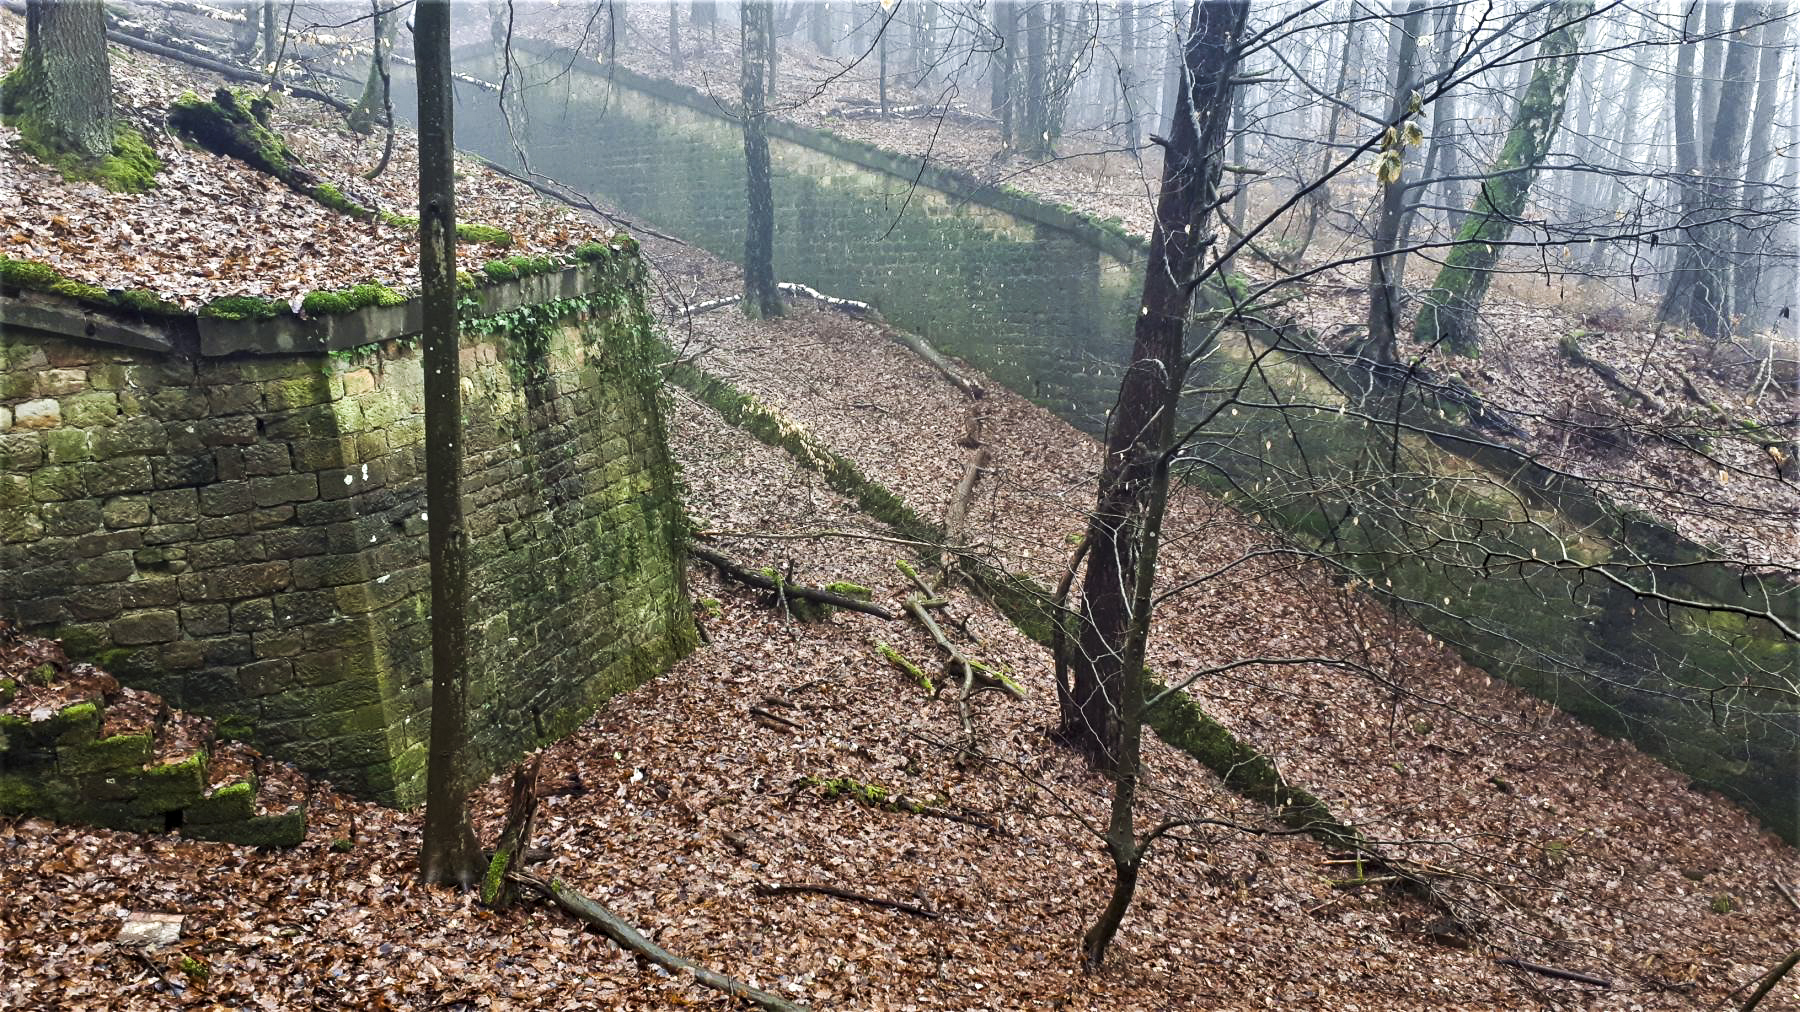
x: 757, y: 711
x: 1551, y: 971
x: 845, y: 894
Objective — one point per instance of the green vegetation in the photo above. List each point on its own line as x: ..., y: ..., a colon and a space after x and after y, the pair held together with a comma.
x: 515, y: 267
x: 243, y: 307
x: 349, y: 300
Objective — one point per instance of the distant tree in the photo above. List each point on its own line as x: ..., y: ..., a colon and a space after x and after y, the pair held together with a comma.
x: 373, y: 101
x: 1386, y: 273
x: 675, y: 37
x: 1006, y: 32
x: 1700, y: 288
x: 60, y: 94
x: 761, y: 297
x: 1761, y: 149
x: 1034, y: 132
x: 449, y: 854
x: 1448, y: 311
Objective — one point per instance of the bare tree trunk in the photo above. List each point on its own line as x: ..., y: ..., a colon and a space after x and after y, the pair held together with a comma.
x: 1385, y: 269
x: 1142, y: 422
x: 1125, y: 530
x: 369, y: 105
x: 1035, y: 131
x: 1702, y: 278
x: 1447, y: 313
x: 60, y: 94
x: 1712, y: 65
x: 820, y: 26
x: 1006, y: 30
x: 1315, y: 204
x: 1761, y: 153
x: 449, y: 853
x: 270, y: 37
x: 675, y: 37
x: 761, y: 297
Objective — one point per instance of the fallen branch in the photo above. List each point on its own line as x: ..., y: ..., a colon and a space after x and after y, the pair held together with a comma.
x: 1551, y: 971
x: 876, y: 796
x: 745, y: 574
x: 1770, y: 980
x: 845, y: 894
x: 908, y: 668
x: 860, y: 310
x: 1572, y: 350
x: 1786, y: 893
x: 711, y: 304
x: 773, y: 717
x: 924, y: 350
x: 628, y: 938
x: 956, y: 518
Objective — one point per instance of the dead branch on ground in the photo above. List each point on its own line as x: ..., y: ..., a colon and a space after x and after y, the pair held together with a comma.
x: 845, y: 894
x: 775, y: 583
x: 628, y: 938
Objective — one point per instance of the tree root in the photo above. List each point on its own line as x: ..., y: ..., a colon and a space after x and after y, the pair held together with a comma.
x: 628, y: 938
x: 762, y: 579
x: 845, y: 894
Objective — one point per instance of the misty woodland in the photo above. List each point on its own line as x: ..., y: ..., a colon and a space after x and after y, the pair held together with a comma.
x: 900, y: 504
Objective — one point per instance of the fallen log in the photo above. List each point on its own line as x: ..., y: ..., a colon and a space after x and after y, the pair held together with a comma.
x: 845, y: 894
x: 860, y: 310
x: 628, y: 938
x: 754, y: 578
x: 1769, y: 981
x: 1551, y: 971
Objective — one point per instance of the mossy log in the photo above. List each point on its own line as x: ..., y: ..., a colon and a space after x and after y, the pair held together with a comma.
x: 628, y: 938
x: 755, y: 578
x: 497, y: 889
x: 1570, y: 345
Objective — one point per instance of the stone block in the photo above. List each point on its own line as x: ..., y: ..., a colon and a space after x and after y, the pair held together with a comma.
x: 175, y: 505
x: 143, y: 627
x: 57, y: 482
x: 67, y: 519
x: 67, y: 446
x: 95, y: 407
x: 39, y: 414
x: 262, y: 459
x: 138, y: 435
x: 231, y: 803
x: 118, y: 753
x: 287, y: 488
x: 126, y: 511
x: 226, y: 498
x: 124, y: 474
x: 287, y: 829
x: 21, y: 451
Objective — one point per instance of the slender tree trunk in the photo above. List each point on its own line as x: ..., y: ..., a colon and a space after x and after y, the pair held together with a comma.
x: 1385, y: 270
x: 1316, y: 203
x: 270, y: 37
x: 771, y: 55
x: 1035, y: 132
x: 1006, y: 31
x: 820, y: 27
x: 885, y: 21
x: 761, y: 297
x: 1440, y: 157
x: 1125, y: 531
x: 1448, y: 312
x: 1761, y: 154
x: 1712, y: 65
x: 1126, y: 117
x: 363, y: 116
x: 1629, y: 127
x: 1172, y: 72
x: 1703, y: 271
x: 449, y: 853
x: 1143, y: 419
x: 675, y: 37
x: 61, y: 91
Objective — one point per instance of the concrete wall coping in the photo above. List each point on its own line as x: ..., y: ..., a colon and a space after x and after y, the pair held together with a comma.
x: 288, y: 334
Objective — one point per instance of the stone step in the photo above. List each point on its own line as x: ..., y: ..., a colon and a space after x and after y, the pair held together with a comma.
x: 77, y: 747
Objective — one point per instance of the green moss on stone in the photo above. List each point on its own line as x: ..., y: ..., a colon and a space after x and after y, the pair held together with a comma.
x: 243, y: 307
x: 118, y: 753
x: 349, y: 300
x: 515, y: 267
x: 231, y: 803
x: 484, y: 235
x: 142, y: 300
x: 285, y: 830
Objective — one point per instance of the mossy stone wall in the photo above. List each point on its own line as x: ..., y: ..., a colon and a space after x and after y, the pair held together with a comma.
x: 1043, y: 299
x: 245, y: 535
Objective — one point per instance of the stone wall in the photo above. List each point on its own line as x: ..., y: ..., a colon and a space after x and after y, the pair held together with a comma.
x: 1041, y: 299
x: 245, y: 533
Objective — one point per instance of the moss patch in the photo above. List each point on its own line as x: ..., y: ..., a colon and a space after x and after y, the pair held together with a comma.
x: 349, y: 300
x: 243, y: 307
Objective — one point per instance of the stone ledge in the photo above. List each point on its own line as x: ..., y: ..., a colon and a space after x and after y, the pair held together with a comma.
x: 54, y: 315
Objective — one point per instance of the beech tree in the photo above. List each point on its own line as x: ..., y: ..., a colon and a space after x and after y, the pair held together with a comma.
x: 373, y: 101
x: 449, y: 854
x: 60, y: 94
x: 1449, y: 310
x: 761, y: 297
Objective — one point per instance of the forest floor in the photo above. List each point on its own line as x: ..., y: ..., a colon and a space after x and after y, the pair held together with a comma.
x: 1553, y: 844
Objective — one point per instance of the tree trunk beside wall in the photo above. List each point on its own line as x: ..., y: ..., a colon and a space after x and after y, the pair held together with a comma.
x: 61, y: 91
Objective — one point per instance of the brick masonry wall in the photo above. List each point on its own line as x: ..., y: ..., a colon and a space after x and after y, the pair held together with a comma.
x: 246, y: 537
